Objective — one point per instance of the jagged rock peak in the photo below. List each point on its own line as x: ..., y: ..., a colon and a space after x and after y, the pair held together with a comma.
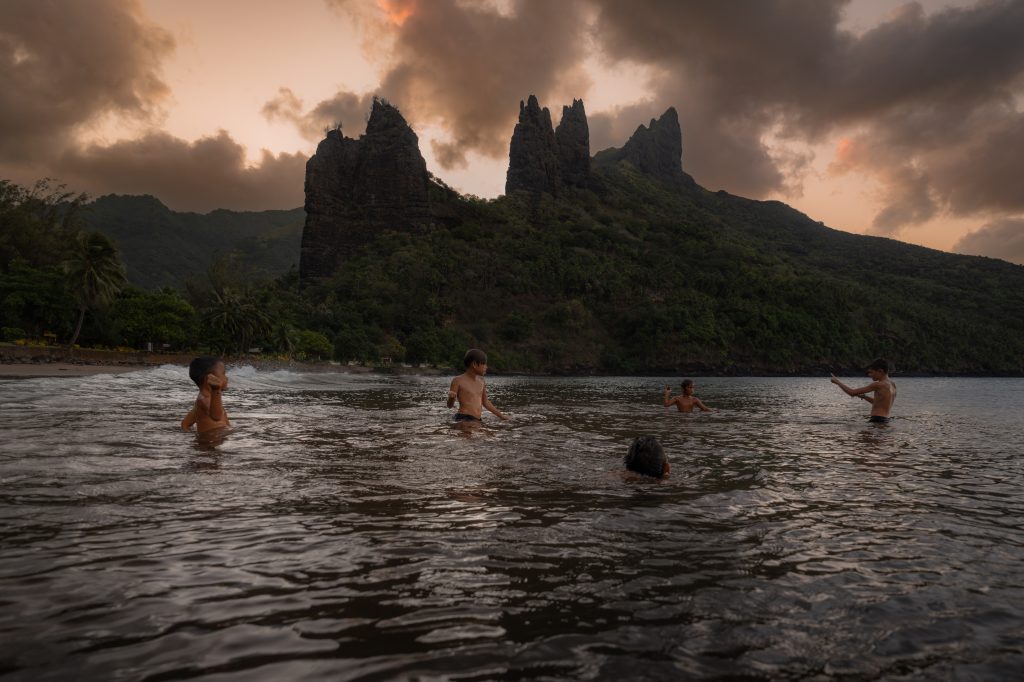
x: 355, y: 188
x: 533, y: 153
x: 573, y: 139
x: 657, y: 149
x: 385, y: 115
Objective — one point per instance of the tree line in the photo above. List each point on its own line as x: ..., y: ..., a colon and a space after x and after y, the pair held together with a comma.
x: 633, y: 277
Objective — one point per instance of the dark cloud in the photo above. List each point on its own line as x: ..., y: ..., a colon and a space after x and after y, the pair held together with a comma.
x: 197, y: 176
x: 730, y: 69
x: 64, y: 65
x: 345, y: 108
x: 465, y: 66
x: 931, y: 95
x: 961, y: 160
x: 999, y: 239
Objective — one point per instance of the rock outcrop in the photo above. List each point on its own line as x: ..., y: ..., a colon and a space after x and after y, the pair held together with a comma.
x: 354, y: 188
x: 542, y: 159
x: 656, y: 149
x: 533, y: 153
x: 357, y: 187
x: 573, y: 140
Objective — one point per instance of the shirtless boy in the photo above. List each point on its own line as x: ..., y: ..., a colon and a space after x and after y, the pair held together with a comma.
x: 208, y: 413
x: 883, y: 388
x: 685, y: 402
x: 470, y: 390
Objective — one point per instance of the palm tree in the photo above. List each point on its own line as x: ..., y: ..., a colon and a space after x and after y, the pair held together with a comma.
x: 236, y: 318
x: 94, y: 272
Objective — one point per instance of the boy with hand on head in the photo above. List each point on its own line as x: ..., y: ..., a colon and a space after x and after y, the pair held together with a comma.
x: 881, y: 385
x: 208, y: 413
x: 470, y: 390
x: 685, y: 402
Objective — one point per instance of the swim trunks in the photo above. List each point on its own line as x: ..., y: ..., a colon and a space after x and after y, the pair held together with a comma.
x: 878, y: 419
x: 461, y: 417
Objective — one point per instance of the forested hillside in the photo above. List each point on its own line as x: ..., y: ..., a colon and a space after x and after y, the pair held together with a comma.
x: 161, y: 247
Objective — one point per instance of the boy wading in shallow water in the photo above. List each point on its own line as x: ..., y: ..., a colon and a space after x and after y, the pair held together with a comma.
x: 883, y: 388
x: 208, y: 413
x: 470, y: 390
x: 685, y: 402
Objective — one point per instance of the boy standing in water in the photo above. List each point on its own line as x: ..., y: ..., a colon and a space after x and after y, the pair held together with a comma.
x: 470, y: 390
x: 685, y: 402
x: 883, y: 388
x: 208, y: 413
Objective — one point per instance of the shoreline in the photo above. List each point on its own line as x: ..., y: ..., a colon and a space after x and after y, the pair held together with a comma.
x: 20, y: 362
x: 35, y: 369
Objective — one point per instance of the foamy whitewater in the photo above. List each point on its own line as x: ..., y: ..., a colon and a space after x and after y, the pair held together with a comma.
x: 345, y: 530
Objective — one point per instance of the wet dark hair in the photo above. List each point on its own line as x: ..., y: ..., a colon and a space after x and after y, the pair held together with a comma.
x: 687, y: 382
x: 645, y: 457
x: 200, y: 367
x: 474, y: 355
x: 881, y: 364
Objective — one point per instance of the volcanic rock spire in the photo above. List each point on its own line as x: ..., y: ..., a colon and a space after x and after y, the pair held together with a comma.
x: 572, y: 138
x: 533, y: 153
x: 355, y: 188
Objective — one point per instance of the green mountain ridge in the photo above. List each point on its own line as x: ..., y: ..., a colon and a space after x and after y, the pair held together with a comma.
x: 162, y: 247
x: 631, y: 274
x: 642, y: 276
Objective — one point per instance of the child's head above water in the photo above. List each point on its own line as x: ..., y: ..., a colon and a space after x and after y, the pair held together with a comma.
x: 474, y: 355
x: 688, y: 386
x: 879, y: 365
x: 200, y: 368
x: 646, y: 457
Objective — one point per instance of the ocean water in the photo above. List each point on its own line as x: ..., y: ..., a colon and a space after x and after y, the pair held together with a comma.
x: 345, y: 530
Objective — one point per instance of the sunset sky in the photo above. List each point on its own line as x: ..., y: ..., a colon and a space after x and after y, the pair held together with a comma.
x: 873, y: 116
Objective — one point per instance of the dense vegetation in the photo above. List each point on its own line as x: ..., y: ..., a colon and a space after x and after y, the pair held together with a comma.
x: 633, y: 277
x: 161, y: 247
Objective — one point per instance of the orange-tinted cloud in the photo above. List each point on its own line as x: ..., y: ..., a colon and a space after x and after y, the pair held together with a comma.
x: 464, y: 66
x: 345, y: 109
x: 64, y: 65
x: 398, y: 11
x: 199, y: 176
x: 930, y: 95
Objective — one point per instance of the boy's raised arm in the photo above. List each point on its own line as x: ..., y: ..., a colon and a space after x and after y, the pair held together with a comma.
x: 854, y: 392
x: 215, y: 408
x: 666, y: 399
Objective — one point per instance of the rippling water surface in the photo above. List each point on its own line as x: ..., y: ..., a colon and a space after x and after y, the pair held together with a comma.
x: 344, y: 530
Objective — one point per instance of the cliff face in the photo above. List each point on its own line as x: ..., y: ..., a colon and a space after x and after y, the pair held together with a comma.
x: 541, y: 159
x: 357, y: 187
x: 533, y: 153
x: 573, y: 140
x: 656, y: 150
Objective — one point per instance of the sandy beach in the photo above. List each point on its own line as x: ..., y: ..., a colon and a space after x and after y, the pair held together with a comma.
x: 62, y: 369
